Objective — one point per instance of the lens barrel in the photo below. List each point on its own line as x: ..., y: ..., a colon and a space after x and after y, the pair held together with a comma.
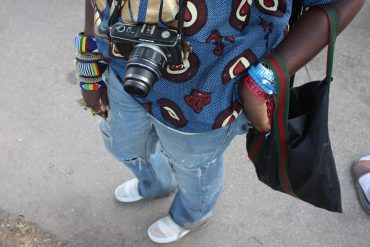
x: 143, y: 69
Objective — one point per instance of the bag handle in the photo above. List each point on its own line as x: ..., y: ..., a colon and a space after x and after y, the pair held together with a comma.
x: 331, y: 14
x: 333, y: 29
x: 281, y: 111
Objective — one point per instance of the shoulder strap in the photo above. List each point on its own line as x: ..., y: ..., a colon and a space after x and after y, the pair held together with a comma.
x: 333, y: 29
x: 281, y: 112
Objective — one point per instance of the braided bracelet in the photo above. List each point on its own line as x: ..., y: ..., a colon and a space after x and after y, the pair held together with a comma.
x: 87, y: 57
x: 89, y: 80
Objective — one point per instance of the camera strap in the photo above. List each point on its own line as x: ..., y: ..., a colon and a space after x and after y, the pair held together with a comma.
x: 180, y: 16
x: 116, y: 12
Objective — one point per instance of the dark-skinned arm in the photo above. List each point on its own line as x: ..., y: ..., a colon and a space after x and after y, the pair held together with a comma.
x: 89, y: 19
x: 94, y: 99
x: 304, y: 41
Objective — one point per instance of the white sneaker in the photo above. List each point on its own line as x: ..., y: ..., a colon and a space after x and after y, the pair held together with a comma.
x: 165, y: 230
x: 128, y: 191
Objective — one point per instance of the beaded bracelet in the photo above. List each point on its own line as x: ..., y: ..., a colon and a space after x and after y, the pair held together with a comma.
x: 88, y: 63
x: 87, y: 57
x: 88, y: 69
x: 85, y: 43
x: 88, y: 80
x: 263, y: 77
x: 92, y: 86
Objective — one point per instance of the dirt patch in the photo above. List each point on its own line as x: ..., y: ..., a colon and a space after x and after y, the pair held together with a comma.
x: 16, y: 232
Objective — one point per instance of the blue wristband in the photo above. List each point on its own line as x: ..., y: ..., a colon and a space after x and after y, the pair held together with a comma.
x: 263, y: 77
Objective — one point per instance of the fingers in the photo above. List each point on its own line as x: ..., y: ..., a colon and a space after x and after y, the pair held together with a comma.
x: 186, y: 50
x: 93, y: 100
x: 104, y: 101
x: 98, y: 110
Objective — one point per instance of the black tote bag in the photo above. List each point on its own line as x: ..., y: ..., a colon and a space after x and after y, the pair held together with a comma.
x: 296, y: 156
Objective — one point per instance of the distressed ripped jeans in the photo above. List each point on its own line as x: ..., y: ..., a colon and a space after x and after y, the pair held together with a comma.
x: 164, y: 159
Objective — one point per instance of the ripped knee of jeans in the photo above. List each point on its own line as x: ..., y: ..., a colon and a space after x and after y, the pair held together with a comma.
x: 137, y: 162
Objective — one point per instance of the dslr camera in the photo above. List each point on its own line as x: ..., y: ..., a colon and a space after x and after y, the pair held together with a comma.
x: 148, y: 49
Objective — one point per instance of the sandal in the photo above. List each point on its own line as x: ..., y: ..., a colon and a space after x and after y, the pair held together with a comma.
x: 360, y: 168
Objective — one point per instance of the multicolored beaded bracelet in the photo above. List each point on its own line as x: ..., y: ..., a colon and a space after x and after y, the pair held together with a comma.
x: 92, y: 86
x: 88, y: 69
x: 85, y: 43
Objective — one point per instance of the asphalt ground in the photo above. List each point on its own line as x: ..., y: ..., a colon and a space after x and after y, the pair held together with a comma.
x: 55, y: 172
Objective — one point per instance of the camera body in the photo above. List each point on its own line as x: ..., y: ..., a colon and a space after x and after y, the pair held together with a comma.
x: 148, y: 49
x: 125, y: 36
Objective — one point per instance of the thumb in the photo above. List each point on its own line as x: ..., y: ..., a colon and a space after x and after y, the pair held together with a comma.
x: 104, y: 100
x: 255, y: 108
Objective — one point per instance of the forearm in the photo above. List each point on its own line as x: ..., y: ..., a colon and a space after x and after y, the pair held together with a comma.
x: 310, y: 34
x: 89, y: 19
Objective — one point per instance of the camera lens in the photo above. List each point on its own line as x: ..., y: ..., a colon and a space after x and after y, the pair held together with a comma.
x: 143, y: 69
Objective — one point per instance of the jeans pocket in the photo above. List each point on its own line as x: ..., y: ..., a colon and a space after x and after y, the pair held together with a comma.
x: 104, y: 129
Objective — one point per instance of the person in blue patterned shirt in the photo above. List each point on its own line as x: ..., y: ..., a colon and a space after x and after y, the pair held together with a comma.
x: 174, y: 139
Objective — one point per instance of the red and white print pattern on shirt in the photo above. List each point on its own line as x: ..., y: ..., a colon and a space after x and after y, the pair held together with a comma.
x: 197, y: 100
x: 238, y: 65
x: 218, y: 40
x: 172, y: 113
x: 272, y: 7
x: 196, y: 14
x: 227, y: 116
x: 240, y: 14
x: 183, y: 72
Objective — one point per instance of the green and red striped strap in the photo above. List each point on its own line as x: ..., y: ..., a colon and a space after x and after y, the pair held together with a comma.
x: 331, y: 14
x: 281, y: 112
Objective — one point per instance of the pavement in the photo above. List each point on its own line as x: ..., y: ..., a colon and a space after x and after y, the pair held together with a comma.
x: 55, y: 172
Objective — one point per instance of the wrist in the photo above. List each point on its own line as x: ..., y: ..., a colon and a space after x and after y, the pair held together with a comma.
x: 263, y: 77
x: 92, y: 86
x: 89, y: 66
x: 254, y: 88
x: 85, y: 43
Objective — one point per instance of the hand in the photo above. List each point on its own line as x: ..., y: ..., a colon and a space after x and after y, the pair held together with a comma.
x: 255, y: 108
x: 97, y: 101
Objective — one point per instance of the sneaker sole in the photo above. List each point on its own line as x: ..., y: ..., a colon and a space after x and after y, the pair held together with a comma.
x: 363, y: 200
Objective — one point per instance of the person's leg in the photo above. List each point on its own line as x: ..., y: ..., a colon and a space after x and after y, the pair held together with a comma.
x: 129, y: 135
x: 197, y: 161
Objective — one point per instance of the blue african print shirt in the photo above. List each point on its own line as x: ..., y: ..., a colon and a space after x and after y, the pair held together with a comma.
x: 226, y: 38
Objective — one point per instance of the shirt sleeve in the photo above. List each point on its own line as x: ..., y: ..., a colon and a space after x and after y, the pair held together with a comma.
x: 316, y: 2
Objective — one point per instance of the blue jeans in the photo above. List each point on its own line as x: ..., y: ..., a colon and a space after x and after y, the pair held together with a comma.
x: 164, y: 159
